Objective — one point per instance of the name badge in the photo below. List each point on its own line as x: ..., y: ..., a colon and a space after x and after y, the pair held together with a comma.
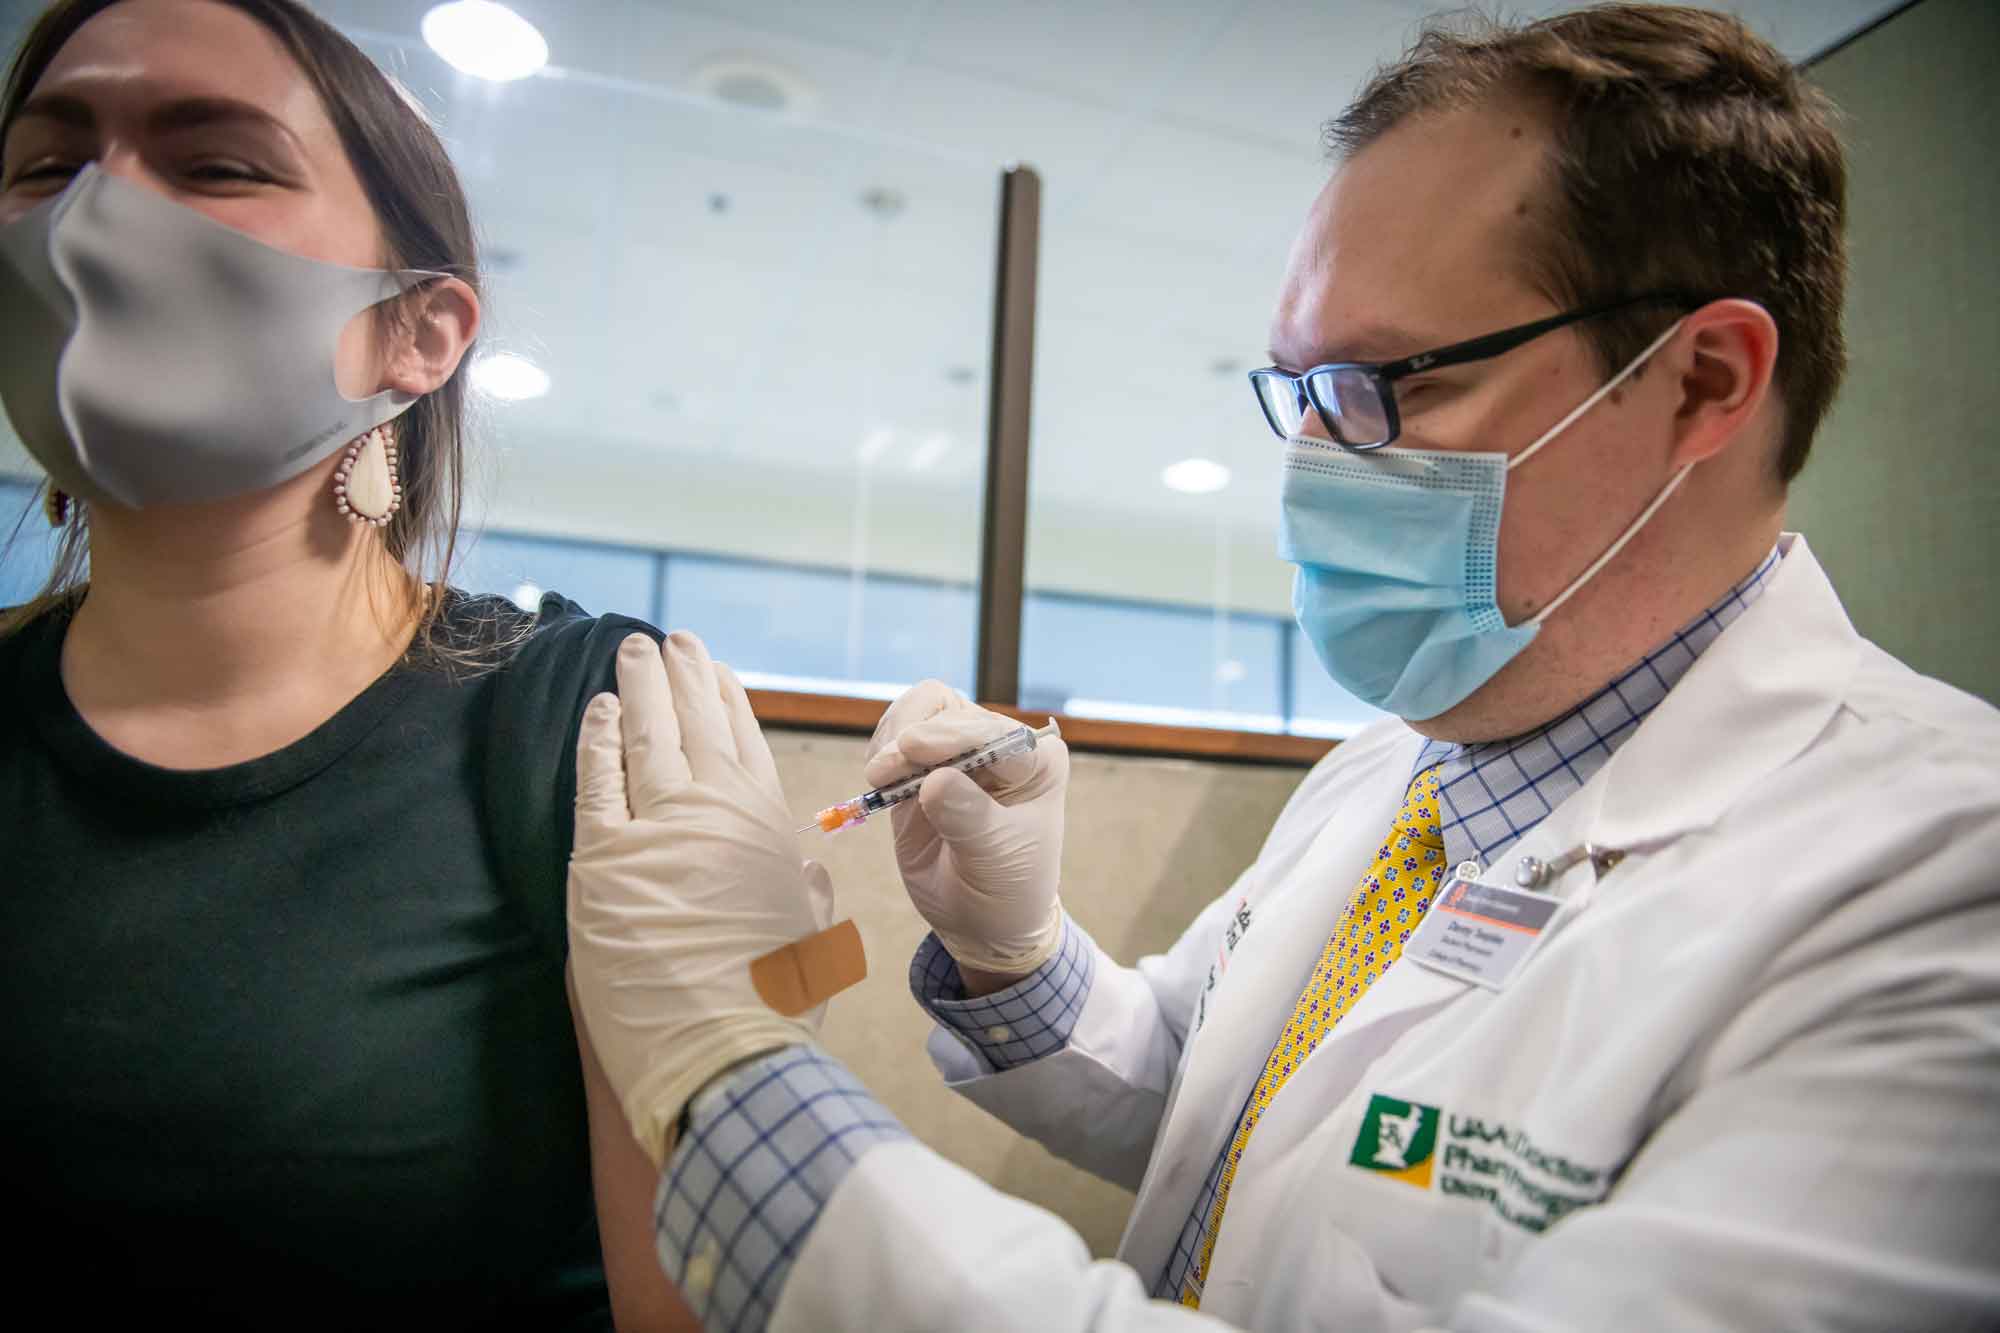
x: 1481, y: 933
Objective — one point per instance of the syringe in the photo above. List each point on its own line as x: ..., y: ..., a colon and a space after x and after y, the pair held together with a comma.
x: 849, y: 813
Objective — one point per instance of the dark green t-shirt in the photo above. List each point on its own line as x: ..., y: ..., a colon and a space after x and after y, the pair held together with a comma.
x: 287, y: 1042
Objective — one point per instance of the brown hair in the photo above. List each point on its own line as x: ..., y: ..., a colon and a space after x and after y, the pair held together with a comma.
x: 420, y: 206
x: 1689, y: 156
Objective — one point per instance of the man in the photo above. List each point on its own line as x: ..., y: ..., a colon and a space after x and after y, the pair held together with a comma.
x: 1699, y: 1027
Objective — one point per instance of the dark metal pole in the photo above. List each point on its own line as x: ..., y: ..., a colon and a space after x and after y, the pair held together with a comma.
x: 1004, y: 539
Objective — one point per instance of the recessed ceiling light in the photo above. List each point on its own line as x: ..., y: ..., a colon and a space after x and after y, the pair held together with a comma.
x: 485, y: 39
x: 884, y: 201
x: 754, y: 83
x: 752, y: 88
x: 1195, y: 476
x: 509, y: 377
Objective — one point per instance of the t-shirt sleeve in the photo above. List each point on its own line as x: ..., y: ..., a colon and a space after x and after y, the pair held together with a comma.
x: 569, y: 658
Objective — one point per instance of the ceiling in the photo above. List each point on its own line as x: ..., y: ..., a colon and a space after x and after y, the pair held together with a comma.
x: 767, y: 330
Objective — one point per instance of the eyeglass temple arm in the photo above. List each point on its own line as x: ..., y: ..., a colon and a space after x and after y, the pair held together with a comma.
x: 1494, y: 344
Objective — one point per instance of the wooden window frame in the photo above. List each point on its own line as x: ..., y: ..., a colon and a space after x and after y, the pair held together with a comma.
x: 845, y: 715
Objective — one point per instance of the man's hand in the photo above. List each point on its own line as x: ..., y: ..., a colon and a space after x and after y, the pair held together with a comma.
x: 979, y: 856
x: 685, y: 870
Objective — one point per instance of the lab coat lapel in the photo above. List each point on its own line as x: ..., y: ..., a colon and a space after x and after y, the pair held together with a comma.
x: 1772, y: 682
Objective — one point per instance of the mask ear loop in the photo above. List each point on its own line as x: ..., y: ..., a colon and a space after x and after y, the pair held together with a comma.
x: 1646, y: 514
x: 1631, y: 368
x: 1665, y: 493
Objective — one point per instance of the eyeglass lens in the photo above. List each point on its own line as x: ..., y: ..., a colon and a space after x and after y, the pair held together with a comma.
x: 1353, y: 400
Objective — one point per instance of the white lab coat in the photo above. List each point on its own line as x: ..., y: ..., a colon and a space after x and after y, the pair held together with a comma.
x: 1757, y: 1062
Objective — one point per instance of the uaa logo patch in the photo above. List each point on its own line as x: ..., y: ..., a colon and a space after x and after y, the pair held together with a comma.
x: 1398, y: 1140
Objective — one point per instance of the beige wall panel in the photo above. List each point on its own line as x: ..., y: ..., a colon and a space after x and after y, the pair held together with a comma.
x: 1150, y: 841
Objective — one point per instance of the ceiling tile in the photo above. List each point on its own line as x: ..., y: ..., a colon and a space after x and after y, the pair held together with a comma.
x: 880, y: 26
x: 984, y: 120
x: 1283, y: 67
x: 1111, y: 53
x: 664, y: 46
x: 1202, y: 189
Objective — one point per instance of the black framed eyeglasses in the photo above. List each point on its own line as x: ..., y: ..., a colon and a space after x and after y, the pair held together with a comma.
x: 1356, y: 400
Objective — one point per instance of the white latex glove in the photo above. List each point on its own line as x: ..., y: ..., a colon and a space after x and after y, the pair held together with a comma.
x: 978, y: 856
x: 685, y: 869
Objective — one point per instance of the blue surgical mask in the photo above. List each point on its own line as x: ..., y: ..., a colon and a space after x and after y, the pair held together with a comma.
x: 1397, y: 553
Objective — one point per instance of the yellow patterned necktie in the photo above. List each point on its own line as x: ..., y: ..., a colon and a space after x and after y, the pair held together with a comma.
x: 1380, y: 916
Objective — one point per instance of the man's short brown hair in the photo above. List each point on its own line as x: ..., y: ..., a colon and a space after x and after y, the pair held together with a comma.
x: 1689, y: 156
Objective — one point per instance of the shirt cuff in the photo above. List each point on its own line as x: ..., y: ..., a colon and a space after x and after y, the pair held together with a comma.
x: 1030, y: 1019
x: 767, y: 1144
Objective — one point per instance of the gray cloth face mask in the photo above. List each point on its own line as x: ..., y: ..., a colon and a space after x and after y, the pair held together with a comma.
x: 152, y: 356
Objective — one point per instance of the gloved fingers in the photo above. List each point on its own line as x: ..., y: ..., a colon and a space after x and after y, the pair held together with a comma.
x: 917, y: 843
x: 1050, y: 772
x: 706, y: 736
x: 943, y: 736
x: 654, y: 764
x: 925, y: 699
x: 819, y: 892
x: 956, y: 806
x: 600, y: 767
x: 752, y: 750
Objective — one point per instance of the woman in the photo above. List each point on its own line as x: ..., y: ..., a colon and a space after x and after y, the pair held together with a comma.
x: 281, y: 943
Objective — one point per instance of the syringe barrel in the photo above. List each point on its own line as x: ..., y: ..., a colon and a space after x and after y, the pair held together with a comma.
x: 1019, y: 741
x: 875, y: 802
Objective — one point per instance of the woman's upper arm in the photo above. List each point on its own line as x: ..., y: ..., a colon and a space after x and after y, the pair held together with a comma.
x: 642, y: 1299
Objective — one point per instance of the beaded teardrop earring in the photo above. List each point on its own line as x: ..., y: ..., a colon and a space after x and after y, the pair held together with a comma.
x: 366, y: 486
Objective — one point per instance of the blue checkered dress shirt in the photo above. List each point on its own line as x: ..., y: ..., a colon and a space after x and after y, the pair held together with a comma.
x: 768, y: 1144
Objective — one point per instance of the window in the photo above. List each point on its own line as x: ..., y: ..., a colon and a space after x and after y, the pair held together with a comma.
x: 1154, y: 478
x: 1094, y: 657
x: 763, y: 314
x: 27, y: 543
x: 600, y: 579
x: 822, y: 631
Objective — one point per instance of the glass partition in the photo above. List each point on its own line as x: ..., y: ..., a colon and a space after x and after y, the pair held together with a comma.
x: 27, y: 543
x: 1153, y: 476
x: 723, y: 317
x: 739, y: 283
x: 763, y: 330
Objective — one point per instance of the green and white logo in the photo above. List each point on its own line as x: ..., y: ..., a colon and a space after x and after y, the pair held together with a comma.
x: 1477, y: 1160
x: 1398, y: 1140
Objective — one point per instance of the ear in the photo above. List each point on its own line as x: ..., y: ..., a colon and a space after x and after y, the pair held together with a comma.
x: 441, y: 318
x: 1725, y: 376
